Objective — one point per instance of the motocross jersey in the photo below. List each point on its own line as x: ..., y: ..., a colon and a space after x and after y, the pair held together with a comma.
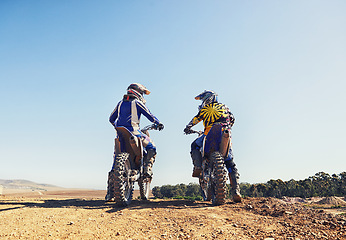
x: 127, y: 114
x: 213, y: 113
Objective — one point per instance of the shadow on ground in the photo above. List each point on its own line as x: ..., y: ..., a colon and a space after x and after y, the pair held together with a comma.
x: 8, y: 204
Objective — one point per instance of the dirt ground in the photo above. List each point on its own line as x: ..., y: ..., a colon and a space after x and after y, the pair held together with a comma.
x: 84, y: 215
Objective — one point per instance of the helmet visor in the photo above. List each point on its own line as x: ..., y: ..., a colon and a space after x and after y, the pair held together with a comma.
x: 200, y: 96
x: 146, y: 92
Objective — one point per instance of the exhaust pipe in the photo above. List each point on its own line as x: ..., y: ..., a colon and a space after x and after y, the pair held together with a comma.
x: 224, y: 145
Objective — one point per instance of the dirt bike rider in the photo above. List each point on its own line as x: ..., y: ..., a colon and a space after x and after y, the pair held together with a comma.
x: 213, y: 112
x: 127, y: 114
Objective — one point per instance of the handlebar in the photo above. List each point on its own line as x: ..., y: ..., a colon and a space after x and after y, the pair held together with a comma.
x: 193, y: 131
x: 150, y: 127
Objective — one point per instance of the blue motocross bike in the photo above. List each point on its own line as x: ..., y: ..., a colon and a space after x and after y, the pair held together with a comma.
x: 213, y: 177
x: 128, y: 167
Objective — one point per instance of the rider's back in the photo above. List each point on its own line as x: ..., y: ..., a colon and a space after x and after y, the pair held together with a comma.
x: 128, y: 112
x: 215, y: 113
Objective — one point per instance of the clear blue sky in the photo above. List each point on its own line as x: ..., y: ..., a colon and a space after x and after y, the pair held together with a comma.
x: 279, y: 65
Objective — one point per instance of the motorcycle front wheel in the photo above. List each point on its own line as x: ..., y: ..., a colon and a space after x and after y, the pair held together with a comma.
x: 204, y: 183
x: 123, y: 186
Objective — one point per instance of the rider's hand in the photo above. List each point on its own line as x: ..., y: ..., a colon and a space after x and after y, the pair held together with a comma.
x: 187, y: 130
x: 160, y: 126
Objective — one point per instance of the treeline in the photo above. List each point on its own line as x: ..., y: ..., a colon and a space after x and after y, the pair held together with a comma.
x: 321, y: 184
x: 180, y: 191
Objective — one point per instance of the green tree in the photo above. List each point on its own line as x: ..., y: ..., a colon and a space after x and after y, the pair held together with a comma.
x: 342, y: 184
x: 321, y: 184
x: 156, y: 191
x: 193, y: 190
x: 244, y: 189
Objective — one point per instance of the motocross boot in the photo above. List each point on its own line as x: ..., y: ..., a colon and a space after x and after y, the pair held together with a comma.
x: 110, y: 188
x: 197, y: 162
x: 235, y: 189
x: 149, y: 162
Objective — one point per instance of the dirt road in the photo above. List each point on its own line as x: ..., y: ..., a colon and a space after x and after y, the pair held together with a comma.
x: 88, y: 217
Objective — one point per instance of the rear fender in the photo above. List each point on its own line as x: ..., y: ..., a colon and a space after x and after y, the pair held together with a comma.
x: 225, y: 143
x: 127, y: 142
x: 137, y: 147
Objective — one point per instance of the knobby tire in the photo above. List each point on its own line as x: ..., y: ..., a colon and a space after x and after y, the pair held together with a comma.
x: 123, y: 187
x: 219, y: 179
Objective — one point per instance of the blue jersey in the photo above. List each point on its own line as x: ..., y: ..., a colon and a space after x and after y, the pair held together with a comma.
x: 127, y: 114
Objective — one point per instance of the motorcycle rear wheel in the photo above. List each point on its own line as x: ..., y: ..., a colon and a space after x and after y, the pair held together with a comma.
x: 218, y: 179
x: 123, y: 186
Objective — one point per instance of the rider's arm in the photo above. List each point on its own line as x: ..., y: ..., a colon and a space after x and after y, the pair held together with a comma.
x: 141, y: 108
x: 196, y: 119
x: 230, y: 116
x: 114, y: 115
x: 193, y: 122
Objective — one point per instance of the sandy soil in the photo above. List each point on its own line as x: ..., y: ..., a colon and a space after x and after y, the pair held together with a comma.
x: 82, y: 214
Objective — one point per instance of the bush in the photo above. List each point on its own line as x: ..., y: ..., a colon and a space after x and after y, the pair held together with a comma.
x: 179, y: 191
x: 321, y: 184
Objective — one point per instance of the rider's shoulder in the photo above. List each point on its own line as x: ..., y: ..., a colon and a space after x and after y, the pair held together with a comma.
x: 219, y: 105
x: 223, y: 105
x: 209, y: 106
x: 140, y: 104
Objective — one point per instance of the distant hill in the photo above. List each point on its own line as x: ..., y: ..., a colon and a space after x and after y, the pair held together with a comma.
x: 25, y: 184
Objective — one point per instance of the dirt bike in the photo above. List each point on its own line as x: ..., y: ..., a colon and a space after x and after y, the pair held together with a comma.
x: 213, y: 177
x: 128, y: 167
